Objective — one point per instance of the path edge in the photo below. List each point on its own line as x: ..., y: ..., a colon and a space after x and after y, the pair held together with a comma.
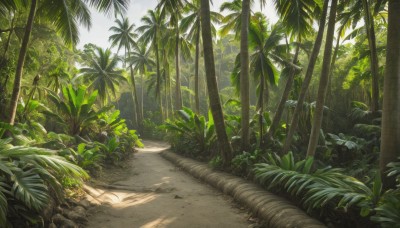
x: 276, y: 211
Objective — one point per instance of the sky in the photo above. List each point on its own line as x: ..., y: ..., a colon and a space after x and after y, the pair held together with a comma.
x: 98, y: 34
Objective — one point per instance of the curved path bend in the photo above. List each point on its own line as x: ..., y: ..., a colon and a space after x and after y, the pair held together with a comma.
x: 156, y: 193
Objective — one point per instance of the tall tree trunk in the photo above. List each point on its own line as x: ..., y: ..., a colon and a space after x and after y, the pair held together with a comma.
x: 139, y: 117
x: 330, y: 97
x: 326, y: 64
x: 333, y: 62
x: 370, y: 28
x: 168, y: 108
x: 20, y: 64
x: 170, y: 89
x: 158, y: 88
x: 214, y: 99
x: 244, y: 75
x: 178, y: 93
x: 285, y: 96
x: 390, y: 136
x: 261, y: 107
x: 307, y: 79
x: 196, y: 73
x: 142, y: 90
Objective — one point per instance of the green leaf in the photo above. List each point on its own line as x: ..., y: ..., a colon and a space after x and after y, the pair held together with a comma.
x: 30, y: 189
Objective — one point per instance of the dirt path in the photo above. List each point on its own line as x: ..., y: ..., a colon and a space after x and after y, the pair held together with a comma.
x: 154, y: 193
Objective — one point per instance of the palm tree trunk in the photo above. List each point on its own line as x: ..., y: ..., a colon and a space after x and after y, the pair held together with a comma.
x: 20, y: 64
x: 138, y: 116
x: 307, y: 79
x: 214, y: 99
x: 196, y: 73
x: 333, y: 62
x: 178, y: 93
x: 261, y: 107
x: 326, y: 64
x: 158, y: 88
x: 244, y: 75
x: 285, y: 95
x: 167, y: 108
x: 170, y: 89
x: 142, y: 90
x: 370, y: 29
x: 390, y: 136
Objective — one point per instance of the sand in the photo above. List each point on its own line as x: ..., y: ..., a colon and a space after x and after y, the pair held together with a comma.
x: 151, y: 192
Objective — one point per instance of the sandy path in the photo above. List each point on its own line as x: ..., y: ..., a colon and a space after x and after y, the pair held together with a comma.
x: 157, y: 194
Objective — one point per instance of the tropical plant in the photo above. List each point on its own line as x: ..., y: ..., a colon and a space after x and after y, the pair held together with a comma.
x: 174, y: 9
x: 307, y: 78
x: 151, y: 33
x: 140, y: 60
x: 193, y: 132
x: 388, y: 211
x: 297, y: 19
x: 192, y: 24
x: 110, y: 150
x: 390, y: 145
x: 243, y: 163
x: 64, y: 16
x: 232, y: 21
x: 323, y: 83
x: 76, y: 108
x: 124, y: 36
x: 213, y: 94
x: 87, y: 156
x: 102, y: 73
x: 28, y: 176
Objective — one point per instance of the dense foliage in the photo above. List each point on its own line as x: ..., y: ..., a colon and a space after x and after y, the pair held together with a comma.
x: 306, y: 103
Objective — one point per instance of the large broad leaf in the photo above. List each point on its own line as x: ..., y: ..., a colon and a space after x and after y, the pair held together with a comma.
x: 57, y: 164
x: 30, y: 189
x: 184, y: 115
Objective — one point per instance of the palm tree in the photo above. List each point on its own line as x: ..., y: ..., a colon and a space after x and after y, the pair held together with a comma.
x: 390, y: 143
x: 214, y: 99
x: 265, y: 51
x: 244, y: 75
x: 102, y: 73
x: 20, y: 63
x: 307, y: 79
x: 297, y: 18
x: 232, y: 21
x: 323, y: 83
x: 263, y: 42
x: 192, y: 24
x: 140, y: 60
x: 64, y: 15
x: 355, y: 11
x: 174, y: 8
x: 124, y: 37
x: 150, y: 33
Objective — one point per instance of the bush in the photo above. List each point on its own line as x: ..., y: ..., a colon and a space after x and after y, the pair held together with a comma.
x: 192, y: 135
x: 28, y: 175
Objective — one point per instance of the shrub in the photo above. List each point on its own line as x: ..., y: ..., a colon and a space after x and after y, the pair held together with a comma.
x: 192, y: 135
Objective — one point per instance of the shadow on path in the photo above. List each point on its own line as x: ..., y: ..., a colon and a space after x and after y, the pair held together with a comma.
x: 158, y: 194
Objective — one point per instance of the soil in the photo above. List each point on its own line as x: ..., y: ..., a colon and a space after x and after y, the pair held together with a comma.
x: 148, y: 191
